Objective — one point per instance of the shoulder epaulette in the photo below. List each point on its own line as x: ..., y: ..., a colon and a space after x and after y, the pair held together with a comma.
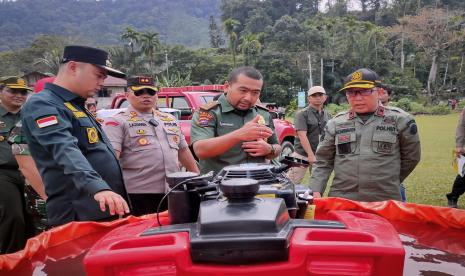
x: 165, y: 114
x: 262, y: 107
x: 341, y: 113
x: 396, y: 109
x: 209, y: 105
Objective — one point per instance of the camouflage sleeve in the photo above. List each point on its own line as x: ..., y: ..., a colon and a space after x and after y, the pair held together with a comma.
x: 409, y: 142
x: 203, y: 125
x: 460, y: 131
x: 18, y: 141
x: 324, y: 164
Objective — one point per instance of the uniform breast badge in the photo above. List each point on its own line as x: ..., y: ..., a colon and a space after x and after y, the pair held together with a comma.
x: 92, y: 135
x: 142, y: 141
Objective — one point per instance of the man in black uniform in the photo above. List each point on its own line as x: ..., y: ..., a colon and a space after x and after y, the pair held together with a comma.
x: 13, y: 94
x: 79, y: 168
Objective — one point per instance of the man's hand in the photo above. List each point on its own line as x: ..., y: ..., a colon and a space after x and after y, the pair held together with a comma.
x: 253, y: 130
x: 257, y: 148
x: 316, y: 195
x: 116, y: 203
x: 311, y: 159
x: 459, y: 151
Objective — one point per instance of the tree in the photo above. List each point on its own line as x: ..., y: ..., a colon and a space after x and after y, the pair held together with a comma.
x: 51, y: 60
x: 230, y: 27
x: 132, y: 37
x: 433, y: 30
x: 216, y: 40
x: 250, y: 47
x: 149, y: 43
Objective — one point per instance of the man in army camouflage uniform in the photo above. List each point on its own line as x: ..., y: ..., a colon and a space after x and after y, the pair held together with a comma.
x: 13, y: 94
x: 149, y: 145
x: 371, y: 148
x: 234, y: 129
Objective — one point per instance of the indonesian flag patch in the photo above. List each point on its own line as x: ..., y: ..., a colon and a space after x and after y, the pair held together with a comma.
x: 47, y: 121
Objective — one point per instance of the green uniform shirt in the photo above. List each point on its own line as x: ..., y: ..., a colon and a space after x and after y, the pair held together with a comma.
x: 220, y: 118
x: 370, y: 159
x: 7, y: 122
x: 309, y: 120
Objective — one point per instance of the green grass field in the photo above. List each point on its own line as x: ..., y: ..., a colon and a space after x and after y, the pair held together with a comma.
x: 433, y: 177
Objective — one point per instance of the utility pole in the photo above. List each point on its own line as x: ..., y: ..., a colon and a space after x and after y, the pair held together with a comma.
x: 310, y: 80
x: 167, y: 65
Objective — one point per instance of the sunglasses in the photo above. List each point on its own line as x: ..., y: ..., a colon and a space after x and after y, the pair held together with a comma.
x: 23, y: 92
x: 142, y: 91
x: 362, y: 92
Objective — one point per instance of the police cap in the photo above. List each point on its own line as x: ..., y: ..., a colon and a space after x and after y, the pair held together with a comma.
x: 90, y: 55
x: 141, y: 82
x: 14, y: 83
x: 362, y: 78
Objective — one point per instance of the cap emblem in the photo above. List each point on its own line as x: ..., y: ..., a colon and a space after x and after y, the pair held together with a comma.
x: 356, y: 76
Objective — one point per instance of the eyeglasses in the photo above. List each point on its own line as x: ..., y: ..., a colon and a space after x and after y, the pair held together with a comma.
x: 151, y: 92
x: 361, y: 92
x: 23, y: 92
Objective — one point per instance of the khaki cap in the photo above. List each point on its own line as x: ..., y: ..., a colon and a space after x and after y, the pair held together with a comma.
x: 316, y: 89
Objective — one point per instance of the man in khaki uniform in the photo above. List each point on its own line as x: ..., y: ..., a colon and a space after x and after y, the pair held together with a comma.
x: 149, y: 144
x: 309, y: 124
x: 458, y: 188
x: 371, y: 148
x: 234, y: 130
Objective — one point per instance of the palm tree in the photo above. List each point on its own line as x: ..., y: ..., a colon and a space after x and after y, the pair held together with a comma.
x: 121, y: 58
x: 250, y: 47
x: 132, y: 36
x: 51, y: 60
x: 149, y: 44
x: 230, y: 27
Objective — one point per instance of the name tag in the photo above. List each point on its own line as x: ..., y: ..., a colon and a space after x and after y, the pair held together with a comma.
x: 226, y: 124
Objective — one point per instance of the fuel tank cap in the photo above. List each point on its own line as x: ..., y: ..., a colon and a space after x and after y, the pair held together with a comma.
x: 239, y: 188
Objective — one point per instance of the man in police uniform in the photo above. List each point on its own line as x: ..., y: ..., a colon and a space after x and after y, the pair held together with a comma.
x: 149, y: 145
x: 13, y: 94
x: 234, y: 129
x: 81, y: 173
x: 309, y: 124
x: 371, y: 148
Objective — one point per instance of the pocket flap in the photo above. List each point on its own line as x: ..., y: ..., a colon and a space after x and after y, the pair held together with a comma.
x: 384, y: 137
x: 345, y: 138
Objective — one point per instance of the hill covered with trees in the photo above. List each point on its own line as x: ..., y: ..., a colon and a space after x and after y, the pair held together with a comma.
x: 416, y: 46
x: 177, y: 21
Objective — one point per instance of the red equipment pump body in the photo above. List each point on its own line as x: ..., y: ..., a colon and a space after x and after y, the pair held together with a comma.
x: 368, y: 246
